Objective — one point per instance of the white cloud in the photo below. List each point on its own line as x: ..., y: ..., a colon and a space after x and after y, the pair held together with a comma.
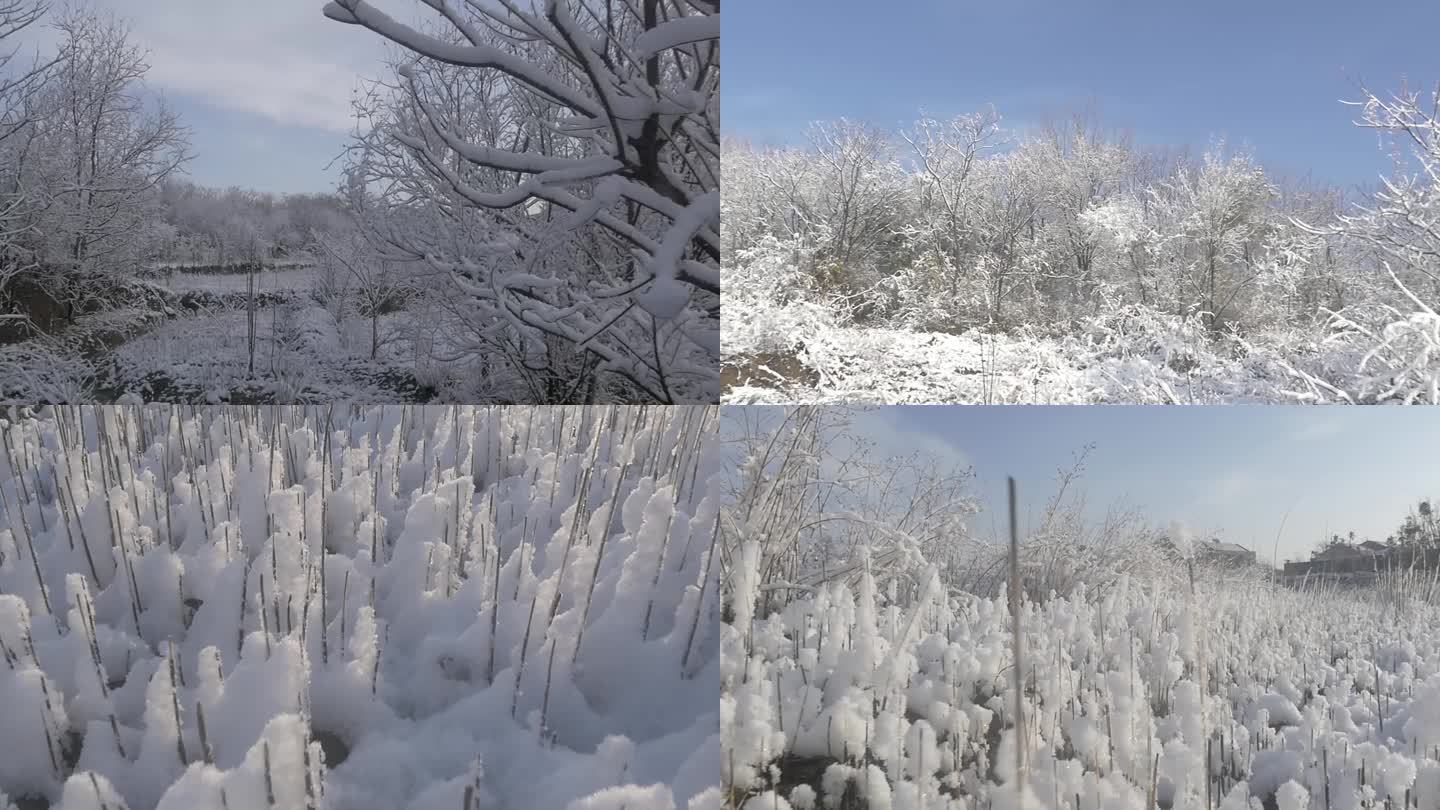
x: 281, y: 59
x: 1235, y: 485
x: 1316, y: 428
x: 895, y: 435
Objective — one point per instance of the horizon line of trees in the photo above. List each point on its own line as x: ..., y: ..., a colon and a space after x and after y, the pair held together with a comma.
x: 1420, y: 529
x: 957, y: 224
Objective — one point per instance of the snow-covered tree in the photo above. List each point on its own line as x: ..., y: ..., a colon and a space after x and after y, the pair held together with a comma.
x: 374, y: 282
x: 103, y: 148
x: 22, y: 78
x: 858, y: 193
x: 1401, y: 219
x: 560, y: 166
x: 1214, y: 216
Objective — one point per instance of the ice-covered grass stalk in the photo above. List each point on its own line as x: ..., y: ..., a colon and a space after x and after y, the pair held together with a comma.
x: 349, y: 607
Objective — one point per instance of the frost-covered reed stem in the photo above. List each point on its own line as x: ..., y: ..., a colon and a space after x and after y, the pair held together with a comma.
x: 599, y: 555
x: 524, y: 649
x: 264, y: 616
x: 240, y: 623
x: 700, y: 600
x: 1325, y: 764
x: 655, y: 578
x: 494, y: 601
x: 175, y: 704
x: 375, y: 517
x: 206, y: 752
x: 375, y: 668
x: 29, y: 545
x: 80, y: 526
x: 309, y: 777
x: 269, y: 780
x: 545, y: 703
x: 1018, y: 642
x: 51, y: 745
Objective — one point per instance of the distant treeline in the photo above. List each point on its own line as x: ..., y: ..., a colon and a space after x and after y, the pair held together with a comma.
x: 223, y: 269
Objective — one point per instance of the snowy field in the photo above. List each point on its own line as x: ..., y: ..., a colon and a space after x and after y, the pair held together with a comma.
x: 302, y: 354
x: 285, y: 280
x: 359, y: 608
x: 872, y: 657
x: 1139, y: 692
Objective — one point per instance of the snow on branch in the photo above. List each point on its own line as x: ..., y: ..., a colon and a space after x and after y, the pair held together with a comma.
x: 584, y: 138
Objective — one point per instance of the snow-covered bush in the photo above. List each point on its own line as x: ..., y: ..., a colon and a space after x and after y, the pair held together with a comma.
x: 773, y: 270
x: 1398, y: 354
x: 339, y: 607
x: 32, y: 372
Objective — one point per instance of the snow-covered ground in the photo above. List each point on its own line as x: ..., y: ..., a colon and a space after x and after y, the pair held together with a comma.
x: 1138, y: 693
x: 347, y: 607
x: 302, y: 354
x: 800, y: 353
x: 187, y: 341
x: 900, y: 366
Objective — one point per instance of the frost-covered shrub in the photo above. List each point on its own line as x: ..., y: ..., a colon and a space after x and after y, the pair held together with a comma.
x: 932, y: 294
x: 775, y: 303
x: 774, y: 270
x: 254, y: 608
x: 31, y: 372
x: 1134, y: 330
x: 1398, y: 354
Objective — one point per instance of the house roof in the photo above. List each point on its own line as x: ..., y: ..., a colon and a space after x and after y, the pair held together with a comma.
x: 1220, y: 547
x: 1363, y: 549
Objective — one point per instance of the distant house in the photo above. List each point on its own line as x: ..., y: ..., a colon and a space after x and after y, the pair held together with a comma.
x: 1343, y: 557
x: 1227, y: 554
x: 1362, y: 561
x: 1216, y: 552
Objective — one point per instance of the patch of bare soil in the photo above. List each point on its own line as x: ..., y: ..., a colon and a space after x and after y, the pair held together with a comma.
x: 767, y: 370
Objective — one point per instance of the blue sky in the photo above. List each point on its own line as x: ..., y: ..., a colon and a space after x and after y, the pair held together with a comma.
x: 236, y: 148
x: 1269, y: 74
x: 264, y: 85
x: 1230, y: 471
x: 1233, y: 471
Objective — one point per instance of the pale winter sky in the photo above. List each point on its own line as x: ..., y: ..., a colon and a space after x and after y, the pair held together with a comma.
x: 1227, y: 471
x: 265, y: 85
